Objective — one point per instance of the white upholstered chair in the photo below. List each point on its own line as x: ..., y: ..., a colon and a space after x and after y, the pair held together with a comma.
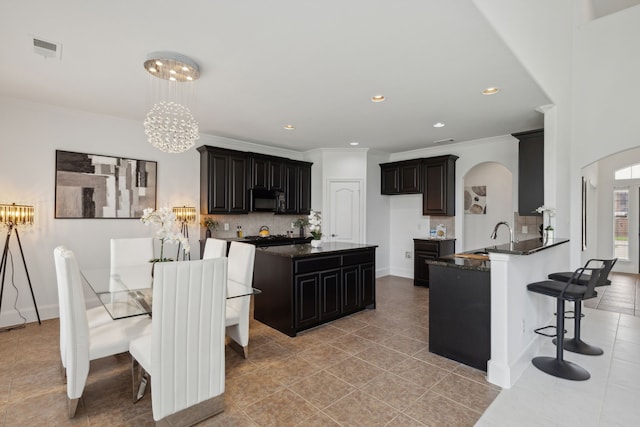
x: 214, y: 248
x: 131, y: 251
x: 184, y: 353
x: 82, y: 343
x: 95, y: 316
x: 241, y: 259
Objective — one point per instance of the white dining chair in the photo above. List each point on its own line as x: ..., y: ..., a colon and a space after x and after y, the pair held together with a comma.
x: 184, y: 353
x: 131, y: 251
x: 95, y: 316
x: 214, y: 248
x: 82, y: 343
x: 241, y: 259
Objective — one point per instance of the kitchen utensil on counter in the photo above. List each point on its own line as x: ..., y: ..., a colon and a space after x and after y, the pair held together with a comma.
x: 264, y: 231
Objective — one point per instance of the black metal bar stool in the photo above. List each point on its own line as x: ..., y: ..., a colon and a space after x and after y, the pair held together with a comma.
x: 565, y: 291
x: 576, y: 344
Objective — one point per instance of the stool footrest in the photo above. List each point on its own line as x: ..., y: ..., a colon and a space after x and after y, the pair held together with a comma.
x: 539, y: 331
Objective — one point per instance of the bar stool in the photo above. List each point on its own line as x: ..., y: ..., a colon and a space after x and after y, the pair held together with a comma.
x: 565, y: 291
x: 575, y: 344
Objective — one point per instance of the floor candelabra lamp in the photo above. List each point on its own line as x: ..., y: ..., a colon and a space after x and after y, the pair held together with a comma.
x: 185, y: 215
x: 13, y: 216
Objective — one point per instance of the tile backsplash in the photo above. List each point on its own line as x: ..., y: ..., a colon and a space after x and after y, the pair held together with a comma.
x: 251, y: 223
x: 532, y: 224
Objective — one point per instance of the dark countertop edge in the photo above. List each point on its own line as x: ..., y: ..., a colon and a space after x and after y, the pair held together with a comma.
x: 434, y: 239
x: 526, y: 247
x: 464, y: 263
x: 313, y: 252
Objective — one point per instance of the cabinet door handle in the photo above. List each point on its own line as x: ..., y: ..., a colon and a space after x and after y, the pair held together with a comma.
x: 334, y: 235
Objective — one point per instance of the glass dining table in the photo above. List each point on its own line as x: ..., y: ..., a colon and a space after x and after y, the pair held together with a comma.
x: 128, y: 291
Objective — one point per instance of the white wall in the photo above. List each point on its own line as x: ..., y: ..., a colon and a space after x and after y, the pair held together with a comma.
x: 377, y: 212
x: 31, y: 134
x: 477, y: 228
x: 589, y: 69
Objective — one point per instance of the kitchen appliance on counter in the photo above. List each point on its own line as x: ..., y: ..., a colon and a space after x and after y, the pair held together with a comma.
x: 264, y: 231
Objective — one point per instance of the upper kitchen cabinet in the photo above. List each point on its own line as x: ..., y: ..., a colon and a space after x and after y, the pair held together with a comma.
x: 400, y: 177
x: 223, y: 181
x: 438, y: 185
x: 266, y: 173
x: 297, y: 187
x: 530, y: 171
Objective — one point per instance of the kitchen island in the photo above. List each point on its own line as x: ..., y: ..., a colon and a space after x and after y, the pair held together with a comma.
x: 513, y: 311
x: 303, y: 287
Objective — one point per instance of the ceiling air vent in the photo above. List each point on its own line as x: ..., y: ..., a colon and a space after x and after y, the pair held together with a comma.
x: 46, y: 49
x: 440, y: 141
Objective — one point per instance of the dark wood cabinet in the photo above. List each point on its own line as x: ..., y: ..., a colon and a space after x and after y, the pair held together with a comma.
x: 424, y: 250
x: 227, y: 175
x: 304, y: 292
x: 307, y: 292
x: 434, y: 177
x: 304, y: 189
x: 530, y: 171
x: 438, y: 185
x: 223, y: 181
x: 266, y: 173
x: 400, y: 177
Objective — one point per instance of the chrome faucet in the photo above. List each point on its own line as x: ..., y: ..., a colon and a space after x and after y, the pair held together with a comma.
x: 494, y: 235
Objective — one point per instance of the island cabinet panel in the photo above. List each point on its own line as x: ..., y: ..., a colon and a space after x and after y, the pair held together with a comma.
x: 460, y: 315
x: 314, y: 288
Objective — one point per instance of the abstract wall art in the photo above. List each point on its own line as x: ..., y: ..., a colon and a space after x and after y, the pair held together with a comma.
x: 99, y: 186
x: 475, y: 199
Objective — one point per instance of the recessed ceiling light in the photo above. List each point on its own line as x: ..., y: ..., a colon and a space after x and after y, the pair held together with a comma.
x: 377, y: 98
x: 438, y: 125
x: 289, y: 127
x: 354, y: 143
x: 490, y: 91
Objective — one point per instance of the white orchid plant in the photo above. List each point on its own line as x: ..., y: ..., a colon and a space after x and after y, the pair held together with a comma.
x: 168, y: 231
x: 551, y: 212
x: 315, y: 225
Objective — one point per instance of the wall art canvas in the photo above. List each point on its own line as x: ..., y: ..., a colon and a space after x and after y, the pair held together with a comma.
x: 98, y: 186
x: 475, y: 199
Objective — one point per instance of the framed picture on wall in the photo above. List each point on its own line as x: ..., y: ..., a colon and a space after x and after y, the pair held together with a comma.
x: 99, y: 186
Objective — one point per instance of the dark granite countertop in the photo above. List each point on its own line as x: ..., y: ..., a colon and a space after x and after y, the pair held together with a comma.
x: 463, y: 263
x: 306, y: 250
x: 526, y: 247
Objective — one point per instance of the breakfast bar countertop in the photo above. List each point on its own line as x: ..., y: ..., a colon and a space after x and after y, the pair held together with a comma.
x: 478, y: 259
x: 526, y: 247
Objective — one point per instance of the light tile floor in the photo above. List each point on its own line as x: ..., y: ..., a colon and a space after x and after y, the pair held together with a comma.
x: 372, y: 368
x: 611, y: 397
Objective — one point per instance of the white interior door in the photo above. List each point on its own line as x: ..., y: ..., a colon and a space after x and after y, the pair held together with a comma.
x: 345, y: 220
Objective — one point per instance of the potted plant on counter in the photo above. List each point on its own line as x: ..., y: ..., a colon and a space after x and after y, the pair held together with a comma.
x: 315, y: 228
x: 301, y: 223
x: 211, y: 226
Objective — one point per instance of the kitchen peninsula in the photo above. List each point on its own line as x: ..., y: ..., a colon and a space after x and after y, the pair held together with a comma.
x: 500, y: 313
x: 303, y: 287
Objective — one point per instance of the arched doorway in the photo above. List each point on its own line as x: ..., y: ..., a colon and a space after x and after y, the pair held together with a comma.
x: 488, y: 200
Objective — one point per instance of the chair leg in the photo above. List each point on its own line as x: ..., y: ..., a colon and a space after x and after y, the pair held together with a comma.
x: 139, y: 378
x: 72, y: 405
x: 575, y: 344
x: 241, y: 350
x: 557, y: 366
